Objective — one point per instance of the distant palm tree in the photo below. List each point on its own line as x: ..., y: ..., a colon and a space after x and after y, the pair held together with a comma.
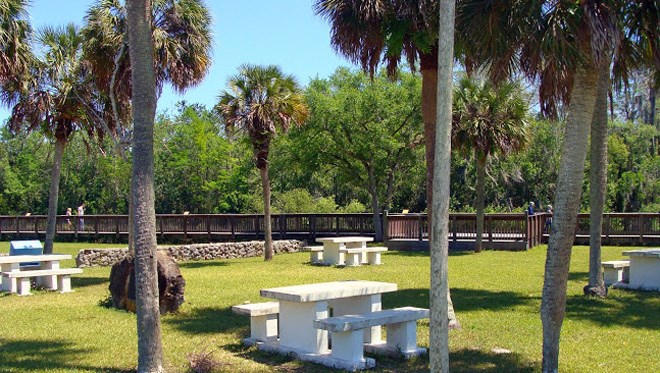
x: 15, y: 49
x: 59, y: 102
x: 259, y: 100
x: 488, y: 120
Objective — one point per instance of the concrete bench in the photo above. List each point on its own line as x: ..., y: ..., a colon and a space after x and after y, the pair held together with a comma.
x: 315, y: 253
x: 348, y: 335
x: 615, y: 271
x: 364, y: 255
x: 61, y: 279
x: 263, y: 320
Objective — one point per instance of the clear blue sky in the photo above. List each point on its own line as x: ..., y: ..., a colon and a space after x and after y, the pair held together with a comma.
x: 281, y: 32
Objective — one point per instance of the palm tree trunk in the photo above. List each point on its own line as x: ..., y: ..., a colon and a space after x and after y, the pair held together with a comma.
x: 567, y: 200
x: 150, y: 351
x: 598, y: 184
x: 53, y: 195
x: 268, y: 231
x: 439, y: 245
x: 479, y: 201
x: 429, y: 70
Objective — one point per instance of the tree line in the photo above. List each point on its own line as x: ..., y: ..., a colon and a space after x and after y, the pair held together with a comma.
x: 200, y: 168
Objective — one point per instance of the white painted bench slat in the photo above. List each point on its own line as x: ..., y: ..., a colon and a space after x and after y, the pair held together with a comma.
x: 347, y: 334
x: 263, y: 320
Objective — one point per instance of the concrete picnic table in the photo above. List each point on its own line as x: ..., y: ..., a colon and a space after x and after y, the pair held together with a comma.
x: 333, y: 245
x: 644, y: 269
x: 11, y: 263
x: 300, y: 305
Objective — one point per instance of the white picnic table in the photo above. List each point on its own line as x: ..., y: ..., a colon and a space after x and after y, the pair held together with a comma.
x: 644, y: 269
x: 333, y: 245
x: 300, y: 305
x: 11, y: 263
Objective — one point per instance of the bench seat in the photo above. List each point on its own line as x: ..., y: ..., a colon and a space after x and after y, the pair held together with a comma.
x: 615, y: 271
x: 363, y: 255
x: 62, y: 281
x: 263, y: 320
x: 401, y: 325
x: 315, y: 253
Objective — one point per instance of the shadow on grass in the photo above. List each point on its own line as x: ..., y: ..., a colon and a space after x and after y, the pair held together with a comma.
x: 41, y: 355
x: 467, y: 360
x: 280, y: 362
x: 202, y: 264
x: 579, y: 276
x: 464, y: 299
x: 209, y: 320
x: 79, y: 282
x: 635, y: 309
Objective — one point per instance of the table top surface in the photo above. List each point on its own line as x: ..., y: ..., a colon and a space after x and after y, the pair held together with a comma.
x: 33, y: 258
x: 328, y: 290
x: 643, y: 252
x: 345, y: 239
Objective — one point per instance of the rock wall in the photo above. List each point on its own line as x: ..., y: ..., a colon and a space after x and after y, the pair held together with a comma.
x: 208, y: 251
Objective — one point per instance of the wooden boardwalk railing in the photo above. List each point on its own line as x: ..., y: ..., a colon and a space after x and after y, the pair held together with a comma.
x: 510, y: 231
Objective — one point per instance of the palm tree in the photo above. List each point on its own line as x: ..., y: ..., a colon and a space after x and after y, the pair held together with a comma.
x: 15, y: 50
x: 143, y: 78
x: 182, y: 46
x: 60, y: 102
x: 366, y: 31
x: 488, y: 120
x: 439, y: 290
x: 259, y: 100
x: 563, y: 44
x: 181, y: 30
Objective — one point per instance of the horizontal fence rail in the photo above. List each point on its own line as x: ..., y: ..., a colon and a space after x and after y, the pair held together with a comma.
x: 513, y: 230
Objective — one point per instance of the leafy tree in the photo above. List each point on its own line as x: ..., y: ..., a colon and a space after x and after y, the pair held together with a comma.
x: 488, y: 120
x: 59, y: 103
x: 143, y: 78
x: 368, y: 129
x: 259, y: 100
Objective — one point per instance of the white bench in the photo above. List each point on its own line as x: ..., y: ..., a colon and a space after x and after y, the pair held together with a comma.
x: 348, y: 335
x: 63, y: 281
x: 315, y: 253
x: 263, y: 320
x: 615, y: 271
x: 363, y: 255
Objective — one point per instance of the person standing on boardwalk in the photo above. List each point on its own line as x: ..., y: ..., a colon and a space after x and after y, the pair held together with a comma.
x: 81, y: 213
x: 68, y: 217
x: 530, y: 209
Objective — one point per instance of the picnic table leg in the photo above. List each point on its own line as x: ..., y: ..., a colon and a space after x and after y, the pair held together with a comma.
x: 358, y: 305
x: 331, y: 254
x: 49, y: 282
x: 9, y: 284
x: 297, y: 326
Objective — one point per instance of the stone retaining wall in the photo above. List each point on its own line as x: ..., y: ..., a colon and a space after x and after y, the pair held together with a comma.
x: 224, y: 250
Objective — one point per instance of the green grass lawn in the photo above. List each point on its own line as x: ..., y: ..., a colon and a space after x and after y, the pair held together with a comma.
x: 497, y: 296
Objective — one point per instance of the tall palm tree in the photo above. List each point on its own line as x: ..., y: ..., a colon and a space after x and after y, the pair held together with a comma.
x: 563, y: 44
x: 181, y: 30
x: 60, y: 102
x: 143, y: 78
x: 488, y: 120
x: 15, y: 49
x: 371, y: 32
x: 182, y: 46
x: 259, y: 100
x: 439, y: 289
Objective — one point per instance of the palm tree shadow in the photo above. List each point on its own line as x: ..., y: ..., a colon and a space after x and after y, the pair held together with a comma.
x: 635, y: 309
x: 210, y: 320
x: 45, y: 355
x: 464, y: 299
x: 80, y: 282
x: 468, y: 360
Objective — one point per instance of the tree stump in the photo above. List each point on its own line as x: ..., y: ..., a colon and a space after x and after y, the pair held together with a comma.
x: 171, y: 284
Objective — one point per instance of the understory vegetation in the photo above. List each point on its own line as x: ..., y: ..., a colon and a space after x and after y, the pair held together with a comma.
x: 498, y: 310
